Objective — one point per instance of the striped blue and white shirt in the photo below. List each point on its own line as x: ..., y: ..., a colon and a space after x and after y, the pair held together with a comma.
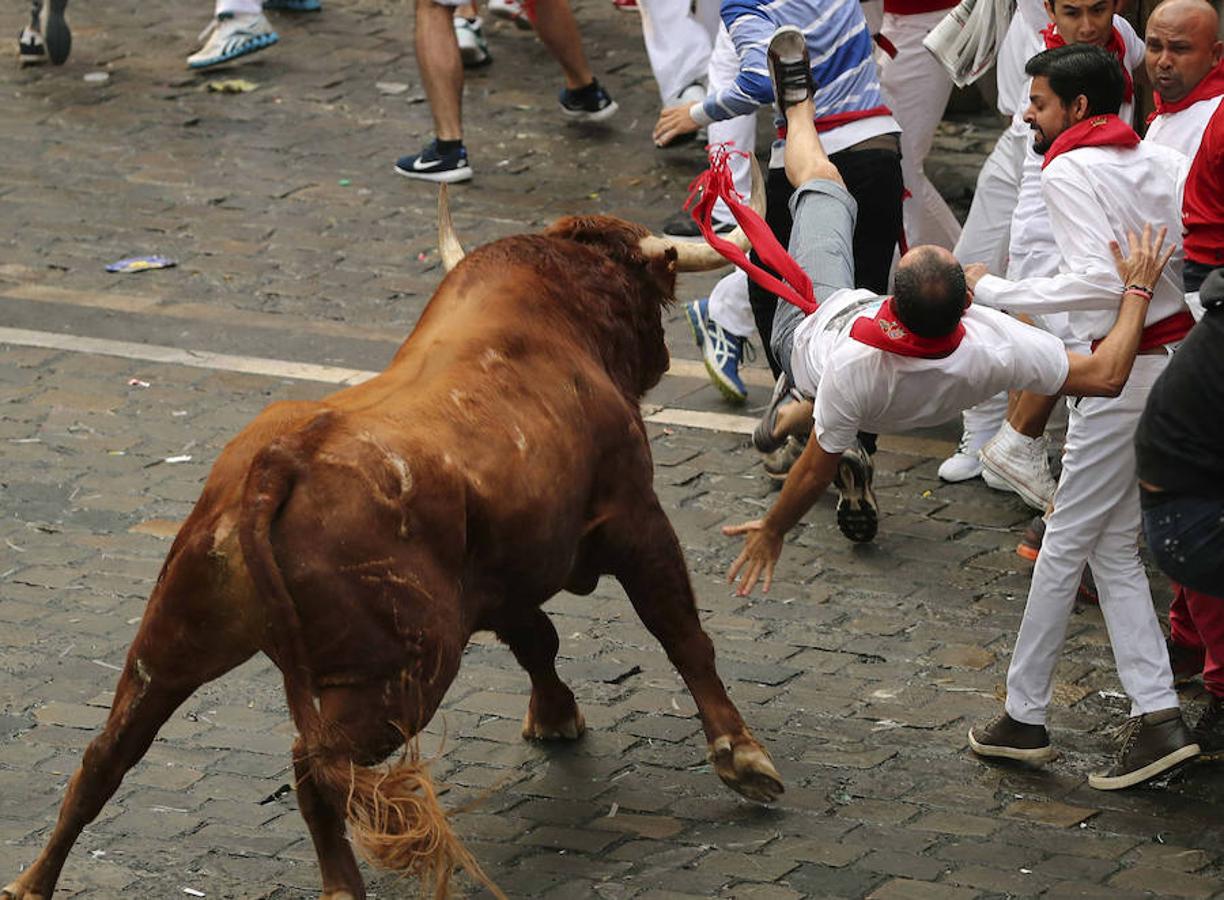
x: 843, y: 70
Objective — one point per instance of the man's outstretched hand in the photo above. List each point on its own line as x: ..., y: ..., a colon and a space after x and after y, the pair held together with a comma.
x: 761, y: 551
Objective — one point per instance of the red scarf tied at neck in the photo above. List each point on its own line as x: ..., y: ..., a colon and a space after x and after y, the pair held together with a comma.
x: 1114, y: 45
x: 1212, y: 85
x: 884, y: 331
x: 1095, y: 131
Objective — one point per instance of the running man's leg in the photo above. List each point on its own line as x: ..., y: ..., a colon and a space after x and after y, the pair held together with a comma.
x: 823, y: 213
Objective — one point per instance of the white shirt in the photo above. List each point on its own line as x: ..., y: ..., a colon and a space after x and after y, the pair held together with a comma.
x: 1095, y: 195
x: 1022, y: 41
x: 1183, y: 130
x: 1030, y: 228
x: 861, y: 388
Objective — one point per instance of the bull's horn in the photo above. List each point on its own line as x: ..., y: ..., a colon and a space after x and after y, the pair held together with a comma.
x: 694, y: 256
x: 448, y: 245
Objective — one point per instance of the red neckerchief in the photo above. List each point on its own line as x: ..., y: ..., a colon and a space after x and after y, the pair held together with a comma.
x: 794, y: 286
x: 1212, y: 85
x: 884, y: 331
x: 1114, y: 45
x: 1098, y: 131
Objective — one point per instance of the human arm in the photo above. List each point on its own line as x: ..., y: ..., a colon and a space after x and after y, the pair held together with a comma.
x: 1082, y: 232
x: 1104, y: 372
x: 808, y: 478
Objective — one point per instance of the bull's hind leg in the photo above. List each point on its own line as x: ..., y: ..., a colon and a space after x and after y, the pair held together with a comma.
x: 184, y: 640
x: 553, y: 713
x: 649, y: 564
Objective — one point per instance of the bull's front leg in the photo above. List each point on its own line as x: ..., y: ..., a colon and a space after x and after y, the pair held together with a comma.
x: 649, y: 564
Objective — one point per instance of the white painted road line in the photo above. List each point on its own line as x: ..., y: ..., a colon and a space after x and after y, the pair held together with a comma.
x: 283, y: 368
x: 280, y: 368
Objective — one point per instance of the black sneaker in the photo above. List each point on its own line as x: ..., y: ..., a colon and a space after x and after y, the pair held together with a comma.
x: 1151, y: 744
x: 790, y: 68
x: 430, y: 165
x: 589, y: 104
x: 1005, y: 738
x: 858, y: 516
x: 55, y: 32
x: 1186, y: 662
x: 683, y: 225
x: 1209, y: 731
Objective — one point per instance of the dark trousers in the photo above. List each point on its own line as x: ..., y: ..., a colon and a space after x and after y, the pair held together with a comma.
x: 873, y: 179
x: 1186, y: 536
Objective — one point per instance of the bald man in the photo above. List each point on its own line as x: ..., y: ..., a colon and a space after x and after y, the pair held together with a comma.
x: 889, y: 364
x: 1183, y: 61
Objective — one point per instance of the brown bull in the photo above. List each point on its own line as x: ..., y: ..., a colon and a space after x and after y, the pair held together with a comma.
x: 359, y: 542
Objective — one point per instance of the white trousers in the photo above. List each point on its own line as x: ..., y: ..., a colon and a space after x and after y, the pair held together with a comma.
x: 238, y: 7
x: 987, y: 232
x: 917, y: 89
x: 729, y: 305
x: 678, y: 44
x: 1096, y: 520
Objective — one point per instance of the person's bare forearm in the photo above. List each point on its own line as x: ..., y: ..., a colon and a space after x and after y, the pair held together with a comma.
x: 807, y: 480
x: 1104, y: 373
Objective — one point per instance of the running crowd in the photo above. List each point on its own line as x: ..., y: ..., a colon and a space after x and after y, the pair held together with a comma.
x: 1087, y: 283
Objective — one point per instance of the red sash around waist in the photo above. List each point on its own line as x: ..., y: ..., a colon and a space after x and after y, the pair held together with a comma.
x: 1168, y: 330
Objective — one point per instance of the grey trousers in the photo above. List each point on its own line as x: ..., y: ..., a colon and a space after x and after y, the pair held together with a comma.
x: 822, y: 242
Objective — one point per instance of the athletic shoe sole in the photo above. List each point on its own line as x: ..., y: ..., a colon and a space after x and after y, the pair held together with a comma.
x: 582, y: 115
x: 56, y: 34
x: 1012, y: 484
x: 254, y: 45
x: 858, y: 516
x: 450, y: 176
x: 974, y: 471
x: 520, y: 21
x: 1151, y: 770
x: 1034, y: 757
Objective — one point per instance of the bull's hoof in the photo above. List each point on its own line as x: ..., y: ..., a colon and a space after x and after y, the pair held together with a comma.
x: 15, y: 891
x: 569, y: 730
x: 745, y: 767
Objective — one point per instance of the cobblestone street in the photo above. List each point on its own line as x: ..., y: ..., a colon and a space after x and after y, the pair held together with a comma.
x: 302, y: 261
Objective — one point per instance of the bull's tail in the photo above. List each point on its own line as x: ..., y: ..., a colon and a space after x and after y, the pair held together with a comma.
x: 393, y: 811
x: 397, y: 823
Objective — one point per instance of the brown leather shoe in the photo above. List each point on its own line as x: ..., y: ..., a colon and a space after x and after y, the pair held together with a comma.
x: 1151, y: 744
x: 1005, y: 738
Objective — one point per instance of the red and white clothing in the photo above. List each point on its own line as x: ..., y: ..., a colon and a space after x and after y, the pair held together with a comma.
x: 858, y: 387
x: 1203, y: 207
x: 1094, y: 194
x: 917, y: 88
x: 1031, y: 249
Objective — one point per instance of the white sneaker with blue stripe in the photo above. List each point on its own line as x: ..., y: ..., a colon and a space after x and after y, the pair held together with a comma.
x: 230, y: 36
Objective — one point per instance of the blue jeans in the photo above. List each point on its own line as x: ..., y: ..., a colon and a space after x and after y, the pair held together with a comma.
x: 1186, y: 535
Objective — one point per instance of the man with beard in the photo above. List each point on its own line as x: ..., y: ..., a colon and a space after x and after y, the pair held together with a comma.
x: 1098, y: 180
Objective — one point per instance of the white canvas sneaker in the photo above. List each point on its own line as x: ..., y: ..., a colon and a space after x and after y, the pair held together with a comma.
x: 1022, y: 463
